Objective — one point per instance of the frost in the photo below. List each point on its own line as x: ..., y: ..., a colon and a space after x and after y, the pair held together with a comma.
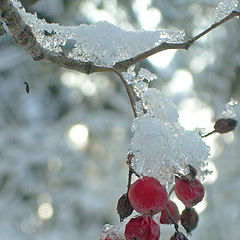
x: 232, y: 110
x: 160, y: 150
x: 225, y: 7
x: 159, y: 106
x: 160, y: 145
x: 101, y: 43
x: 147, y: 75
x: 113, y: 232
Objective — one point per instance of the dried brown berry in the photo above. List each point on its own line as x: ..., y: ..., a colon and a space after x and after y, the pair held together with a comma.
x: 225, y: 125
x: 189, y: 219
x: 124, y: 208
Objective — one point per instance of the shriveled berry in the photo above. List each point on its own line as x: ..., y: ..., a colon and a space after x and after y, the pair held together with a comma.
x: 190, y: 192
x: 225, y: 125
x: 173, y: 211
x: 142, y: 228
x: 189, y: 219
x: 148, y: 196
x: 124, y: 208
x: 178, y: 236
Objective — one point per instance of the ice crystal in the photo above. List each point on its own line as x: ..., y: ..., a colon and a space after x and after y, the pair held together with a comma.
x: 101, y: 43
x: 232, y: 109
x: 144, y: 74
x: 159, y: 106
x: 225, y: 7
x: 113, y: 232
x: 160, y: 145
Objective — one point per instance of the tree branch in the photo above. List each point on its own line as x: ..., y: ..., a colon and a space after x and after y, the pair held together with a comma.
x: 164, y: 46
x: 23, y: 36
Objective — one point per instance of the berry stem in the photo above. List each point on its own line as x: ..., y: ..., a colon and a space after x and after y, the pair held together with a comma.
x: 130, y: 172
x: 129, y: 159
x: 206, y: 135
x: 171, y: 191
x: 169, y: 215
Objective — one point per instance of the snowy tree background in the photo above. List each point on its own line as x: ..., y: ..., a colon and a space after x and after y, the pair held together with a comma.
x: 64, y: 146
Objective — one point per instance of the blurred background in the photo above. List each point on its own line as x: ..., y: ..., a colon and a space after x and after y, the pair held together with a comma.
x: 63, y: 146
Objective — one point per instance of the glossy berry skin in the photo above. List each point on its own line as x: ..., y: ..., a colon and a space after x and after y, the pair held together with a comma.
x: 173, y: 210
x: 189, y: 219
x: 190, y: 192
x: 142, y: 228
x: 147, y: 196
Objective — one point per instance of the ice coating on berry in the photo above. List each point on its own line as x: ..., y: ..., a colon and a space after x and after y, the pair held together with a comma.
x: 142, y: 228
x: 189, y: 192
x: 189, y: 219
x: 148, y: 196
x: 173, y: 211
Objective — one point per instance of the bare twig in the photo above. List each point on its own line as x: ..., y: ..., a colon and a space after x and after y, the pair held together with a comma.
x: 24, y: 37
x: 129, y: 91
x: 2, y: 30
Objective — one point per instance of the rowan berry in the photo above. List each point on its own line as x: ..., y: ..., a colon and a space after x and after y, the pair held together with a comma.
x: 147, y: 196
x: 190, y: 192
x: 142, y: 228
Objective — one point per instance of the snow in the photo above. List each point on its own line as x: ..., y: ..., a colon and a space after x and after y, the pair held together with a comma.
x: 225, y: 7
x: 160, y: 145
x: 160, y: 150
x: 101, y: 43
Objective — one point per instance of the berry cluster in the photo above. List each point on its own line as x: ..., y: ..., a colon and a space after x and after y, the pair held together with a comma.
x: 148, y: 196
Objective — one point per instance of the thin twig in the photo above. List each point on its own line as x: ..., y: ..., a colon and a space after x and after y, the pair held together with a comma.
x: 123, y: 65
x: 129, y: 91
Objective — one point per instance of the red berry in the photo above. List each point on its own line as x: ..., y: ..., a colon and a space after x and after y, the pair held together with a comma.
x: 189, y: 219
x: 142, y: 228
x: 173, y: 211
x: 148, y: 196
x: 190, y: 192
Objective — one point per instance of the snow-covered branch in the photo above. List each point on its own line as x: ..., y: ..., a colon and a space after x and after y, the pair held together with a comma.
x: 23, y: 35
x: 88, y: 49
